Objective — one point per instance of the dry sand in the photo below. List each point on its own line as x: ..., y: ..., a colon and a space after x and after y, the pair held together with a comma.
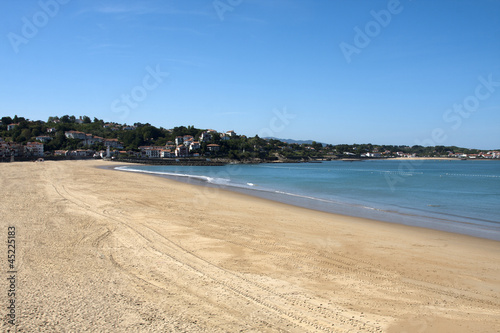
x: 106, y: 251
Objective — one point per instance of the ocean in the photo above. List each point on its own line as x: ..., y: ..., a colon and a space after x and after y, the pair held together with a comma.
x: 455, y: 196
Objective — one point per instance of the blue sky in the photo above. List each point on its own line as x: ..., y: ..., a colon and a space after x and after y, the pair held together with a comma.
x: 345, y: 71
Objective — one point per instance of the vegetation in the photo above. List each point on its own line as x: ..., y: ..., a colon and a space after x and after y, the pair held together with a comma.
x: 236, y: 147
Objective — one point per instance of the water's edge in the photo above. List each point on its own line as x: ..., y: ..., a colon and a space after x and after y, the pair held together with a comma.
x: 342, y: 208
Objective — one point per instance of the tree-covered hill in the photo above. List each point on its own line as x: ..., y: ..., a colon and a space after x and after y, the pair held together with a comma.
x: 234, y: 147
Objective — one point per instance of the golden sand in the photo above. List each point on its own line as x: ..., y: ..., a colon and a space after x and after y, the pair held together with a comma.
x: 108, y: 251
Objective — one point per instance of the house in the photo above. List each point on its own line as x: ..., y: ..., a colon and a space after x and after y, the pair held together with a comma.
x: 113, y: 143
x: 11, y: 127
x: 224, y: 136
x: 60, y: 153
x: 213, y: 147
x: 51, y: 130
x: 43, y: 138
x: 151, y: 151
x: 79, y: 120
x: 194, y: 146
x: 187, y: 143
x: 34, y: 149
x: 373, y: 155
x: 231, y: 133
x: 188, y: 138
x: 206, y: 136
x: 91, y: 140
x: 179, y: 140
x: 181, y: 151
x: 81, y: 153
x: 166, y: 153
x: 16, y: 149
x: 75, y: 135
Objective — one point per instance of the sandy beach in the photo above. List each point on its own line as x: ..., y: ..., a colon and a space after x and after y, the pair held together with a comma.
x: 99, y: 250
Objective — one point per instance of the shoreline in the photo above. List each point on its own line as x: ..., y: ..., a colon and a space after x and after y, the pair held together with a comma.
x: 166, y: 256
x: 340, y: 208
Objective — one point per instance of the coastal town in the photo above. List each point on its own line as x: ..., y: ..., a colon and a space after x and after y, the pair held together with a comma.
x: 69, y: 137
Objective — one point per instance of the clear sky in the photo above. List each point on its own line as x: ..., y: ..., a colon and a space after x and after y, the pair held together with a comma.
x: 345, y: 71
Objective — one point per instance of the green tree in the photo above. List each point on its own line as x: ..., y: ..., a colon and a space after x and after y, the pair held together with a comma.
x: 6, y: 120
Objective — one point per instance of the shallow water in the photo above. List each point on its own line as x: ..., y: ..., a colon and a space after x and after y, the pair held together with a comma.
x: 457, y: 196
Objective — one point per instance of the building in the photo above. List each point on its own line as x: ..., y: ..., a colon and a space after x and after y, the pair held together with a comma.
x: 81, y: 153
x: 92, y: 140
x: 181, y: 151
x: 231, y: 133
x: 179, y: 140
x: 166, y: 153
x: 213, y: 148
x: 151, y: 151
x: 60, y: 153
x: 43, y: 138
x: 11, y: 127
x: 194, y: 146
x: 34, y: 149
x: 75, y: 135
x: 113, y: 143
x: 206, y: 136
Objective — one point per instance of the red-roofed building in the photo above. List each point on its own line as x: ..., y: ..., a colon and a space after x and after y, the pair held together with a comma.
x: 34, y: 149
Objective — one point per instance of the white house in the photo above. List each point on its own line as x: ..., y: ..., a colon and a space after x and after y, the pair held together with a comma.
x: 75, y: 135
x: 194, y: 145
x: 179, y: 140
x: 43, y: 138
x: 206, y: 136
x: 151, y: 151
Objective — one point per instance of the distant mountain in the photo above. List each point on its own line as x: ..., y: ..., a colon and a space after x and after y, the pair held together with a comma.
x: 299, y: 142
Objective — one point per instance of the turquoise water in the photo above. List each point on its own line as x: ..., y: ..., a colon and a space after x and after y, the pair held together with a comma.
x: 457, y: 196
